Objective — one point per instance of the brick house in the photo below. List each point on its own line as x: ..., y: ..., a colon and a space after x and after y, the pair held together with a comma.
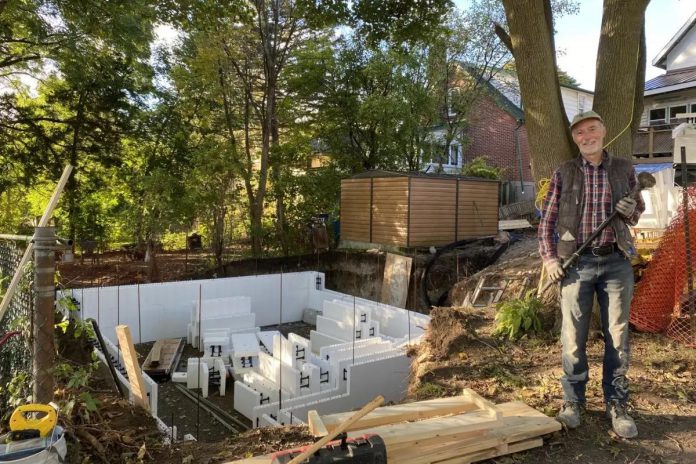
x: 495, y: 130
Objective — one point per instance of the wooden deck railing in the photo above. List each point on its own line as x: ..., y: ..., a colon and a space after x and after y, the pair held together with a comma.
x: 653, y: 144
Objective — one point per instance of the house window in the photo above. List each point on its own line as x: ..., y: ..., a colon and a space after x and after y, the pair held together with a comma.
x: 454, y: 155
x: 693, y: 107
x: 437, y: 155
x: 581, y: 103
x: 658, y: 116
x: 453, y: 101
x: 674, y: 111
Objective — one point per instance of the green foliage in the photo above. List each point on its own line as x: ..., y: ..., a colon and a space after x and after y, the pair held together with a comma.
x: 18, y: 392
x: 566, y: 79
x: 519, y: 317
x: 76, y: 396
x: 216, y: 130
x: 478, y: 167
x: 429, y: 390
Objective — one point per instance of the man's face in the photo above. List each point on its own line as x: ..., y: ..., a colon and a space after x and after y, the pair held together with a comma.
x: 588, y: 135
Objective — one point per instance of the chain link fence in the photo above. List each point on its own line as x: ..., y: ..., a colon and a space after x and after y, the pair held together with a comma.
x: 665, y: 298
x: 15, y: 329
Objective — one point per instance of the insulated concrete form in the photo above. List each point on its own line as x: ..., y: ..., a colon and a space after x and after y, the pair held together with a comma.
x: 357, y: 351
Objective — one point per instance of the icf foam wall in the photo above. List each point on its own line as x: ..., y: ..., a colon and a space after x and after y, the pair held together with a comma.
x: 158, y: 311
x: 163, y: 310
x: 387, y: 376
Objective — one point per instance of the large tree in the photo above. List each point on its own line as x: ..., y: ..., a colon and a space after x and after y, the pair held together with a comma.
x: 620, y: 60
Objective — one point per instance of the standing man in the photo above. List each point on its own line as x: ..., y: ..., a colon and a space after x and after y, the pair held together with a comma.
x: 582, y: 194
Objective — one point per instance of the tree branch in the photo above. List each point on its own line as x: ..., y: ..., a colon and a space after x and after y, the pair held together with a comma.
x: 503, y: 36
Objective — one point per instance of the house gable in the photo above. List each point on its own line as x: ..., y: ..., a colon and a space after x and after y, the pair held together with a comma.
x: 680, y: 51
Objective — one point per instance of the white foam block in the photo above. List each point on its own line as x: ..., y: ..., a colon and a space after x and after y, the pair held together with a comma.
x: 266, y: 338
x: 245, y: 344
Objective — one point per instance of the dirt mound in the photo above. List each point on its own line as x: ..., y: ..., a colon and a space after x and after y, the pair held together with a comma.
x: 450, y: 330
x: 517, y: 271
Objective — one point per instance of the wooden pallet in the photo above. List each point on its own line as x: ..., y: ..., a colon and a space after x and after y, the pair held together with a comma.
x: 462, y: 429
x: 163, y: 358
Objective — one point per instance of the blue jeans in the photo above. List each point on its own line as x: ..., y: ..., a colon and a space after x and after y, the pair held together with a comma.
x: 611, y: 279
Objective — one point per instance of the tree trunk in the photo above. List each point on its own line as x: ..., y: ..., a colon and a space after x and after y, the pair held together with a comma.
x: 620, y: 57
x: 151, y: 260
x: 218, y: 239
x: 281, y: 223
x: 71, y: 186
x: 531, y: 37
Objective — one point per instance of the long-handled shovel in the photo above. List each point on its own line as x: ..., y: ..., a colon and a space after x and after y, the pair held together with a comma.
x: 645, y: 181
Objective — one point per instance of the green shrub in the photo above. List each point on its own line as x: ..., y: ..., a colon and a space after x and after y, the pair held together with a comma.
x: 478, y: 167
x: 519, y: 317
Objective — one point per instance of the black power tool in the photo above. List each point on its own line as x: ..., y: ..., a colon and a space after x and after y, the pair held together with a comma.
x: 366, y: 449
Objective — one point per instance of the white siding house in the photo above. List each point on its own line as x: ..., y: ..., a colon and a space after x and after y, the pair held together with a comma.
x: 668, y: 95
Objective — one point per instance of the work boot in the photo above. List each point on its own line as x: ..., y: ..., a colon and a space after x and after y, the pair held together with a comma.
x: 570, y: 414
x: 621, y: 422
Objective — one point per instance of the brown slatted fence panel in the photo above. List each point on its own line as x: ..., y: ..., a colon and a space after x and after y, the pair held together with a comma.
x: 433, y: 211
x: 355, y: 210
x: 390, y: 211
x: 478, y: 209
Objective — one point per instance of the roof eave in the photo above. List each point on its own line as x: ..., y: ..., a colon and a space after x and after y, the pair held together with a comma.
x: 660, y: 61
x: 670, y: 88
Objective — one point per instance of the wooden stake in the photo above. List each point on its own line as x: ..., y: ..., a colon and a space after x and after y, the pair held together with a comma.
x: 48, y: 212
x: 130, y: 359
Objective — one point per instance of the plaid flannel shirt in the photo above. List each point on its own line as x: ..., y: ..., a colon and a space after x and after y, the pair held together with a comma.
x: 597, y: 206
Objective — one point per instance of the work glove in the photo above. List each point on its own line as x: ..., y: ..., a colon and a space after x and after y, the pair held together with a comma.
x: 554, y: 270
x: 626, y: 206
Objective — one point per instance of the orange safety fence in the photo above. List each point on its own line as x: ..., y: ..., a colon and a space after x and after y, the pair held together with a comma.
x: 665, y: 297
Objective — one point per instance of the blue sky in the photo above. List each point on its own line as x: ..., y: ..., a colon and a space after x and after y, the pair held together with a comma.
x: 577, y: 36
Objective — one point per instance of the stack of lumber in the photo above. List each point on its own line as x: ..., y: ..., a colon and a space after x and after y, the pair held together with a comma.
x: 462, y: 429
x: 162, y: 359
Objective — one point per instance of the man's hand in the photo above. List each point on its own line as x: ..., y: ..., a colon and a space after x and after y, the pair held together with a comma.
x: 554, y: 270
x: 626, y: 206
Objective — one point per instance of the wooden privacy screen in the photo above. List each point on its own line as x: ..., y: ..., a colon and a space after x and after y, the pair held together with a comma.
x: 417, y: 211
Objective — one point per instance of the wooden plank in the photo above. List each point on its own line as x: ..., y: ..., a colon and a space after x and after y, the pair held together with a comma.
x: 494, y: 452
x: 482, y: 403
x: 155, y: 353
x: 267, y: 459
x: 444, y: 438
x: 512, y: 224
x: 397, y: 273
x: 163, y: 357
x: 463, y: 426
x: 488, y: 441
x: 130, y: 360
x: 316, y: 425
x: 462, y: 438
x: 403, y: 412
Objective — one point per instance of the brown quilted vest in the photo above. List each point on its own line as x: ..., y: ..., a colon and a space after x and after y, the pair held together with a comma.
x: 572, y: 201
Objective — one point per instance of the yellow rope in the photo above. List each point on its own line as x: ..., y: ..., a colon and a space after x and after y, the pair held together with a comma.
x: 633, y: 107
x: 542, y: 190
